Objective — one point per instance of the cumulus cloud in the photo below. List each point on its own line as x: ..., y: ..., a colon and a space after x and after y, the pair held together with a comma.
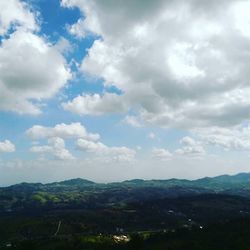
x: 190, y: 147
x: 16, y: 13
x: 237, y: 138
x: 31, y: 68
x: 85, y: 141
x: 95, y: 104
x: 161, y: 154
x: 108, y: 153
x: 55, y: 147
x: 73, y: 130
x: 7, y: 147
x: 132, y: 121
x: 177, y: 63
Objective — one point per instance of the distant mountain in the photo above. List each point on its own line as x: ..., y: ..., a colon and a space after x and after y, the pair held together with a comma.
x: 25, y: 187
x: 75, y: 182
x: 241, y: 180
x: 84, y: 206
x: 85, y: 194
x: 222, y: 181
x: 218, y: 183
x: 134, y: 181
x: 235, y: 184
x: 241, y: 177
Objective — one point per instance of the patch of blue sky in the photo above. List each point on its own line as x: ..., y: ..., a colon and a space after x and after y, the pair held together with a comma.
x: 81, y: 85
x: 13, y: 122
x: 7, y: 35
x: 53, y: 25
x: 54, y: 18
x: 115, y: 132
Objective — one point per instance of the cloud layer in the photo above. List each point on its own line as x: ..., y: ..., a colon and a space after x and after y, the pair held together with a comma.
x: 177, y: 63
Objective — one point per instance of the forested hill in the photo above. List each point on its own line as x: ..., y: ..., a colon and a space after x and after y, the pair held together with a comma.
x: 219, y: 183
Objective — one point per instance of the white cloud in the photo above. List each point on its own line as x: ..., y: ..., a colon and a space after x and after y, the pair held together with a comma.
x: 64, y: 46
x: 132, y: 121
x: 95, y: 104
x: 31, y: 68
x: 73, y: 130
x: 240, y: 13
x: 56, y: 147
x: 16, y: 13
x: 83, y: 27
x: 177, y: 63
x: 237, y: 138
x: 161, y: 154
x: 108, y: 153
x: 151, y: 136
x: 87, y: 142
x: 181, y: 61
x: 190, y: 147
x: 7, y: 147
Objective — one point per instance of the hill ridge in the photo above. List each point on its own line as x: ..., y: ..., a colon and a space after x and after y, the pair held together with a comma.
x: 236, y: 178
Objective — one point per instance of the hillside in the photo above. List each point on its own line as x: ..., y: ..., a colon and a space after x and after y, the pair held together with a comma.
x: 83, y: 208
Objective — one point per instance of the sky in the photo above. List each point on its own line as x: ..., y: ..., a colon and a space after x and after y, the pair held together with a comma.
x: 110, y: 90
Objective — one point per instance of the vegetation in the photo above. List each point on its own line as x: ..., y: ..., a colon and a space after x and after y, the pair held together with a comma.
x: 210, y: 213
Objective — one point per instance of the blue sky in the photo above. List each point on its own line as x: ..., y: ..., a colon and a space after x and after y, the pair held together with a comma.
x: 112, y: 90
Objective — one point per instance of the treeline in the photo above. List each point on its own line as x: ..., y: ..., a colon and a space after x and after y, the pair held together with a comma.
x: 232, y: 235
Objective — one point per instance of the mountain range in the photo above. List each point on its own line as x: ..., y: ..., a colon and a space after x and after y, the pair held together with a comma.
x: 34, y: 210
x: 218, y: 183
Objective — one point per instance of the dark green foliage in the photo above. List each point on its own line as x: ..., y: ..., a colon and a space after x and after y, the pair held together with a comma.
x: 210, y: 213
x: 226, y: 236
